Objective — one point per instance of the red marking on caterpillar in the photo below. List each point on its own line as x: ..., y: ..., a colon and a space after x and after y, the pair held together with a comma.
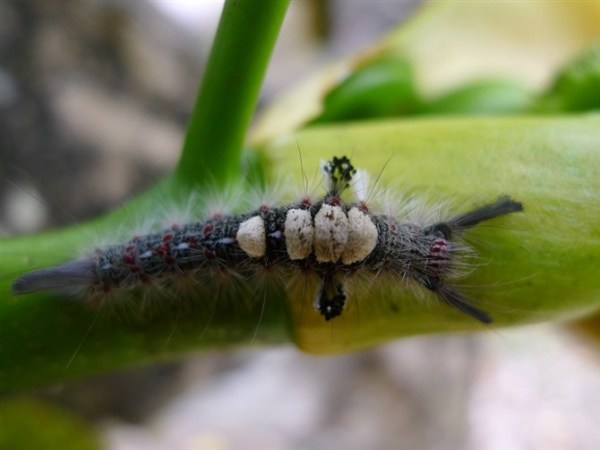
x: 438, y: 255
x: 330, y: 238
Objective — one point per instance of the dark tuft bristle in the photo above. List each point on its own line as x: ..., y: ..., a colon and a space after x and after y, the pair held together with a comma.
x: 460, y: 303
x: 70, y: 275
x: 504, y: 205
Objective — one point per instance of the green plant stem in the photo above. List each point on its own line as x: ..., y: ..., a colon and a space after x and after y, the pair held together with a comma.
x: 45, y: 338
x: 229, y: 90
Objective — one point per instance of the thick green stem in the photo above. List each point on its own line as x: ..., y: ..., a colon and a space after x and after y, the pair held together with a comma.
x: 229, y: 90
x: 45, y: 339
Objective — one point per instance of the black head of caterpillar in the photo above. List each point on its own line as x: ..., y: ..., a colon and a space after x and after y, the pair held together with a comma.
x: 330, y: 237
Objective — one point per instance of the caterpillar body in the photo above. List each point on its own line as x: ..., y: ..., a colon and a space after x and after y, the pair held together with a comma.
x: 331, y: 238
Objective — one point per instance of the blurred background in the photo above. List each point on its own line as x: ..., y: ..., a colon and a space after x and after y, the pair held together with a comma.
x: 94, y: 98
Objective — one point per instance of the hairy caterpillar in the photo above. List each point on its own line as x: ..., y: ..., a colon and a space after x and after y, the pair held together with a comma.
x: 330, y: 238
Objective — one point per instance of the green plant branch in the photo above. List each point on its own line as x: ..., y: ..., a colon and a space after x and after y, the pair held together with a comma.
x: 45, y: 338
x: 229, y: 91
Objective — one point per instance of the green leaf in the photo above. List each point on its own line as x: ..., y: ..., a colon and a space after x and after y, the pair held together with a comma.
x: 449, y: 46
x: 381, y: 88
x: 576, y: 87
x: 542, y: 264
x: 482, y: 97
